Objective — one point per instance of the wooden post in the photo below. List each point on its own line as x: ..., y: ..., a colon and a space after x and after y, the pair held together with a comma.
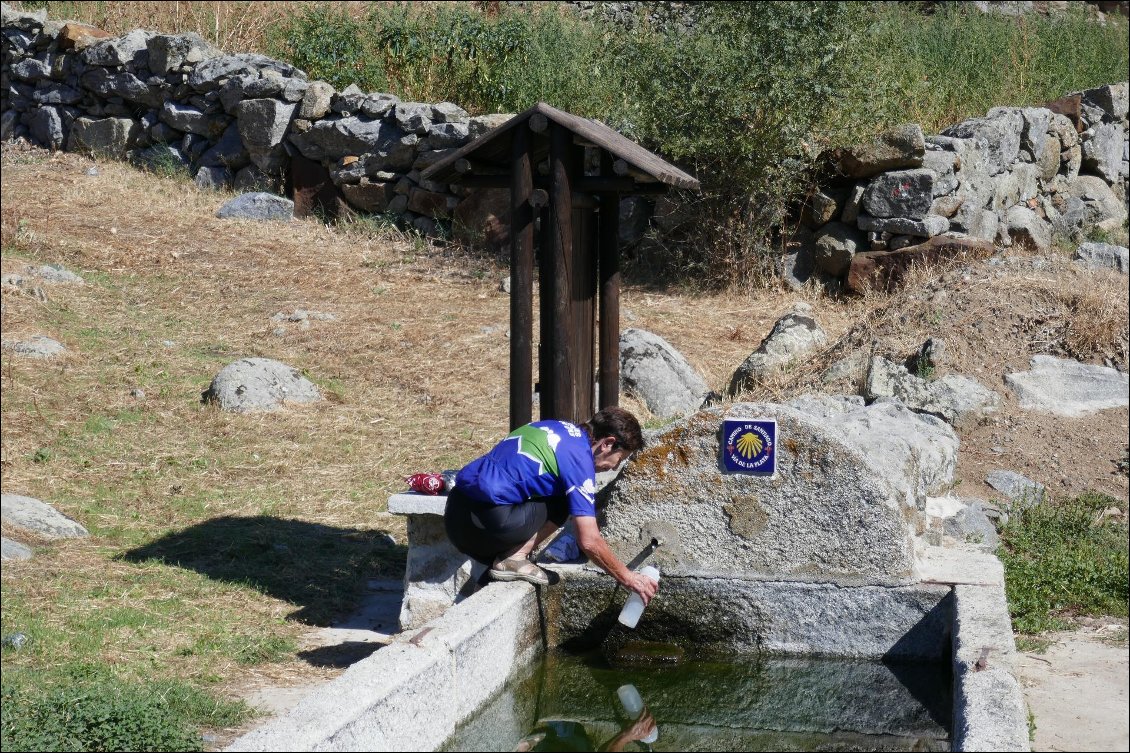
x: 521, y: 281
x: 609, y: 254
x: 561, y: 234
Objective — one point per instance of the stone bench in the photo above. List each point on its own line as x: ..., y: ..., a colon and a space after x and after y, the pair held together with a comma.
x: 437, y: 575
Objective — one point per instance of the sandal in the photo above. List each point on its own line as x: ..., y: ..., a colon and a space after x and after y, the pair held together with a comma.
x: 519, y: 568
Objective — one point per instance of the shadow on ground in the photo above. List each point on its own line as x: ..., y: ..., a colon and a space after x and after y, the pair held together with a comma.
x: 320, y: 569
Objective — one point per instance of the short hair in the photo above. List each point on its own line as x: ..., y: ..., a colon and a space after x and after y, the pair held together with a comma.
x: 616, y: 423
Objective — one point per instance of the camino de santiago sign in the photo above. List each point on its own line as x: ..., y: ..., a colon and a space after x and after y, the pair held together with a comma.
x: 749, y: 445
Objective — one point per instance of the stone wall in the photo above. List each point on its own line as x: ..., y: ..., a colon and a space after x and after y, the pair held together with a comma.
x: 243, y: 121
x: 1015, y: 176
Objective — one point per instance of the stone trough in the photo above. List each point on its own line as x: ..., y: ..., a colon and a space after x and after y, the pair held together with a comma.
x: 824, y: 558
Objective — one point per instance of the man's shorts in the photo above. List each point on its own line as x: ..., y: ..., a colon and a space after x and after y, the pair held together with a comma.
x: 484, y: 531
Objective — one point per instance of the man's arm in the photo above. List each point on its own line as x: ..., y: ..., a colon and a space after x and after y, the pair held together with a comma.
x: 596, y: 548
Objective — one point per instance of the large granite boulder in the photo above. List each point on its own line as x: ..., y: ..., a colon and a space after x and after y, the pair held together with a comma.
x: 254, y: 384
x: 656, y: 373
x: 831, y: 512
x: 793, y: 336
x: 1065, y: 387
x: 958, y: 400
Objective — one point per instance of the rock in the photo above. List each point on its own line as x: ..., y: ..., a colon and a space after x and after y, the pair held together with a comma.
x: 213, y: 178
x: 428, y: 203
x: 999, y: 132
x: 853, y: 203
x: 1100, y: 203
x: 1034, y: 138
x: 481, y: 124
x: 446, y: 135
x: 902, y: 193
x: 210, y: 74
x: 1065, y: 387
x: 898, y: 148
x: 36, y: 346
x: 76, y: 36
x: 334, y: 139
x: 57, y: 94
x: 118, y: 51
x: 262, y: 127
x: 14, y: 550
x: 1104, y: 256
x: 160, y: 158
x: 228, y: 151
x: 55, y: 273
x: 822, y: 207
x: 188, y: 119
x: 315, y: 101
x: 856, y: 523
x: 257, y: 206
x: 46, y: 127
x: 122, y: 84
x: 1016, y: 487
x: 168, y: 52
x: 254, y: 384
x: 928, y: 227
x: 793, y: 336
x: 106, y: 137
x: 942, y: 163
x: 1027, y: 229
x: 958, y: 400
x: 916, y: 452
x: 1112, y: 99
x: 965, y: 521
x: 448, y: 112
x: 378, y: 105
x: 40, y: 517
x: 1102, y: 152
x: 1015, y: 186
x: 26, y: 20
x: 504, y: 285
x: 413, y: 117
x: 31, y: 69
x: 658, y: 374
x: 483, y: 218
x: 369, y: 196
x: 883, y: 269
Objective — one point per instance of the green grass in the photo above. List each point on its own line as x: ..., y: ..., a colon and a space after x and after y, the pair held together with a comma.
x: 1061, y: 561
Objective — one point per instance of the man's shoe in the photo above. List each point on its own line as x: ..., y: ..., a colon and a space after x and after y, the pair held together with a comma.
x: 519, y: 568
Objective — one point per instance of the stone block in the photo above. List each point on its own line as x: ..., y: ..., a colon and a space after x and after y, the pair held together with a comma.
x: 903, y: 193
x: 110, y: 137
x: 901, y: 147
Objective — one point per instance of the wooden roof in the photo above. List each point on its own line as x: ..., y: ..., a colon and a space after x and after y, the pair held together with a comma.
x: 493, y: 148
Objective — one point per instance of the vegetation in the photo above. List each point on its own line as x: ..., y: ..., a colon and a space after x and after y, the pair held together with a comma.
x: 1064, y: 559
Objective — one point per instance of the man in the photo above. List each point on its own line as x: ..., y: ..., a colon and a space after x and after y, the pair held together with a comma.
x: 510, y: 500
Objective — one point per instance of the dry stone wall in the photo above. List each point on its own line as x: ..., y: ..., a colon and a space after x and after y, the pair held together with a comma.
x: 244, y: 121
x: 1015, y: 176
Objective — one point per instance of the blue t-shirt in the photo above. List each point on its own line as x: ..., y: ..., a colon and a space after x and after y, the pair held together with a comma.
x: 542, y: 459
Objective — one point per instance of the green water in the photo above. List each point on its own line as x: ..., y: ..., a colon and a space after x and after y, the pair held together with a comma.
x: 567, y: 702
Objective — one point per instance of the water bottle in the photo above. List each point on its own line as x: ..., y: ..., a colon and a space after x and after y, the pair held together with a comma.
x: 633, y: 607
x: 632, y: 702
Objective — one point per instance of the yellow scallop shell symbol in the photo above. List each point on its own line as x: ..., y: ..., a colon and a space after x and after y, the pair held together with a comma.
x: 749, y: 445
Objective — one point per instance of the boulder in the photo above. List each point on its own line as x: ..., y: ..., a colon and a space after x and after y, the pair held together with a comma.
x: 257, y: 206
x: 160, y: 158
x: 168, y: 52
x: 1104, y: 256
x: 902, y: 193
x: 57, y: 94
x: 446, y: 135
x: 228, y: 151
x: 1015, y: 186
x: 999, y: 133
x: 1102, y: 152
x: 449, y: 112
x: 1102, y: 207
x: 107, y: 137
x: 14, y: 550
x: 259, y: 384
x: 898, y: 148
x: 1016, y: 487
x: 964, y: 520
x: 942, y: 163
x: 118, y: 51
x: 333, y: 139
x: 1034, y: 139
x: 315, y: 101
x: 1065, y: 387
x: 36, y: 346
x: 122, y: 84
x: 1027, y: 229
x: 31, y: 70
x: 958, y: 400
x: 413, y: 117
x: 46, y: 127
x: 188, y: 119
x: 1112, y: 99
x: 481, y: 124
x: 262, y: 126
x: 915, y: 452
x: 827, y: 515
x: 55, y: 273
x: 793, y: 336
x: 656, y: 373
x: 213, y: 178
x: 76, y: 36
x: 39, y: 517
x: 210, y: 74
x: 369, y: 196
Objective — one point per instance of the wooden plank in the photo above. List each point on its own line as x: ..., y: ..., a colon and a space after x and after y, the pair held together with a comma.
x: 583, y: 295
x: 608, y: 253
x: 521, y: 282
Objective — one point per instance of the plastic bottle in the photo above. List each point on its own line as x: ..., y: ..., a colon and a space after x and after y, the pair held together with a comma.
x: 633, y: 608
x: 632, y: 702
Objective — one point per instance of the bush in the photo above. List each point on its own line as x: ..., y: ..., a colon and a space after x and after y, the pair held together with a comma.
x: 97, y: 712
x: 1062, y: 559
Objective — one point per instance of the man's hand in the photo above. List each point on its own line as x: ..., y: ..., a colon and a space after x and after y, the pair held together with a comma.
x: 597, y: 550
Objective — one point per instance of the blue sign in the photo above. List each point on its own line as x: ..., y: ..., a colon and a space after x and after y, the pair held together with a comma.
x: 749, y: 445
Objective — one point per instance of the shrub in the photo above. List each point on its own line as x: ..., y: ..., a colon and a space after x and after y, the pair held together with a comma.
x: 102, y: 713
x: 1064, y: 558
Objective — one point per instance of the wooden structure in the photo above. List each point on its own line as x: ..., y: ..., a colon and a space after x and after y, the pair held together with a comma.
x: 540, y: 155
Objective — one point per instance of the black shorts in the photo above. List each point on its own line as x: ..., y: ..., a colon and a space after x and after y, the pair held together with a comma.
x: 483, y: 531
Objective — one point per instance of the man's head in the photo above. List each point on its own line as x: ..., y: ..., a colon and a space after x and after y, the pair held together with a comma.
x: 614, y: 434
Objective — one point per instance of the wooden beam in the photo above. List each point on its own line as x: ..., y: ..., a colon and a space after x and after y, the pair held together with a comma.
x: 608, y: 254
x: 596, y: 185
x: 561, y: 252
x: 521, y: 281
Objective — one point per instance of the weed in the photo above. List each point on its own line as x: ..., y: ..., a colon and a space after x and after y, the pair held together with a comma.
x: 1059, y: 561
x: 1030, y: 644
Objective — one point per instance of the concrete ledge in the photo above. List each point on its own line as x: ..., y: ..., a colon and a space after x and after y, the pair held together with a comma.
x: 412, y: 503
x: 411, y: 694
x: 959, y: 565
x: 989, y: 712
